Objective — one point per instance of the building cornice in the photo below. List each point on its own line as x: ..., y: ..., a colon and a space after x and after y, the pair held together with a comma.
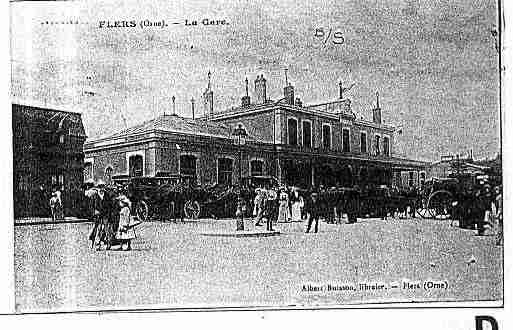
x: 255, y: 109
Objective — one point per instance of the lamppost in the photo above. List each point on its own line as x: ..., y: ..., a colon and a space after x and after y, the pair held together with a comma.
x: 240, y: 133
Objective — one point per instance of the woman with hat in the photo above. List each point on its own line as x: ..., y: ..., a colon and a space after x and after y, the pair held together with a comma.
x: 125, y: 232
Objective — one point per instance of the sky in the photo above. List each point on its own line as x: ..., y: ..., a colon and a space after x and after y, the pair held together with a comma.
x: 434, y: 63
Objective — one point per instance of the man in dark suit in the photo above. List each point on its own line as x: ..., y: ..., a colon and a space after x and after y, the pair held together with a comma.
x: 313, y: 210
x: 103, y: 211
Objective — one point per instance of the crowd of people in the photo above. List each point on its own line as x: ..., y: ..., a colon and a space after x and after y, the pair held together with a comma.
x: 110, y: 211
x: 291, y: 204
x: 478, y: 208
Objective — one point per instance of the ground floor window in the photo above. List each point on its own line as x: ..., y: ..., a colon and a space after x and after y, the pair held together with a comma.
x: 411, y: 181
x: 107, y: 176
x: 135, y: 165
x: 188, y: 167
x: 224, y: 171
x: 257, y: 167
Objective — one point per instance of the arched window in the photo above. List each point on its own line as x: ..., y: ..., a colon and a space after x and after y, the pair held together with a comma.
x: 376, y: 144
x: 188, y: 168
x: 135, y: 165
x: 257, y: 167
x: 224, y: 171
x: 292, y: 131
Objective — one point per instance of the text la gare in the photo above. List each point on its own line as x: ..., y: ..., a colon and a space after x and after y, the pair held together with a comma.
x: 206, y: 21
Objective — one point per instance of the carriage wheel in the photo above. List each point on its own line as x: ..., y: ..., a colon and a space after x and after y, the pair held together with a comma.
x: 192, y: 209
x: 439, y: 204
x: 423, y: 209
x: 142, y: 210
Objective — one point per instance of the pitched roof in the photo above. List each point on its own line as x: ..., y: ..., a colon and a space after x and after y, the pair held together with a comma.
x: 174, y: 124
x: 48, y: 119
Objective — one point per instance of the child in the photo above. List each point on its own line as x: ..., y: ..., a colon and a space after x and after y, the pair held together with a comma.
x: 125, y: 233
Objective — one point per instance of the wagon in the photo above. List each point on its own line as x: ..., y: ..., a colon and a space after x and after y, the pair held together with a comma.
x: 438, y: 196
x: 163, y: 197
x: 176, y: 197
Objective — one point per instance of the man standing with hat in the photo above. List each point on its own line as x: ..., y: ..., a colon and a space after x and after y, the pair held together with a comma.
x: 313, y: 211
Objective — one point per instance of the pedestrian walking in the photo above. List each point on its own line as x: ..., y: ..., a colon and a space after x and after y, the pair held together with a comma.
x: 313, y: 210
x: 269, y: 208
x: 103, y: 212
x: 56, y: 207
x: 272, y: 205
x: 258, y: 208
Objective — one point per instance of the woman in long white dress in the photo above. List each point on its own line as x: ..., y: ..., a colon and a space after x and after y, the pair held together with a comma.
x: 284, y: 210
x: 297, y: 204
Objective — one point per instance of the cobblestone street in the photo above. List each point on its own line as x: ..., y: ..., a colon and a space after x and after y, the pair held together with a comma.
x: 172, y: 265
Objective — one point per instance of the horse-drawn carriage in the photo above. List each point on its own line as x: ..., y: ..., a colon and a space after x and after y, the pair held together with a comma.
x: 167, y: 197
x: 441, y: 195
x: 163, y: 197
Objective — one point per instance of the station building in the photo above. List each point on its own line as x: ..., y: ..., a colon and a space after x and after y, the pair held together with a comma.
x: 299, y: 144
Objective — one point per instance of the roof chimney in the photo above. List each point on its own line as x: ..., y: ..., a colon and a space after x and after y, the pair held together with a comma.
x: 376, y: 112
x: 174, y: 110
x: 288, y: 91
x: 246, y: 100
x: 260, y: 89
x: 208, y: 99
